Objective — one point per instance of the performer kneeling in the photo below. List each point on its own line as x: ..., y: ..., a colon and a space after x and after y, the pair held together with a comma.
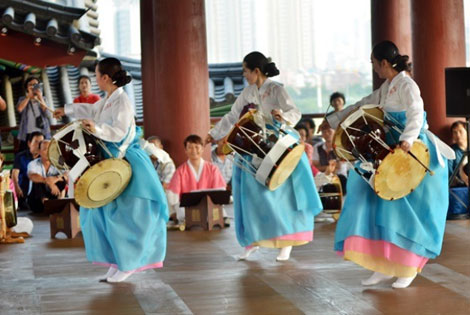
x: 129, y: 233
x: 395, y: 238
x: 284, y: 217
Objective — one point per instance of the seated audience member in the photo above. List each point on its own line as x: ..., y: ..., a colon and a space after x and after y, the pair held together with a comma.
x: 156, y: 141
x: 303, y: 132
x: 46, y: 181
x: 327, y: 176
x: 337, y: 101
x: 322, y: 179
x: 222, y: 161
x: 459, y: 145
x: 463, y: 173
x: 310, y: 124
x: 84, y: 85
x: 194, y: 174
x: 19, y: 174
x: 161, y: 160
x: 323, y: 153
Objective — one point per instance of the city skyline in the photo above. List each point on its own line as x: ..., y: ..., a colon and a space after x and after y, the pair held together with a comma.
x: 318, y: 45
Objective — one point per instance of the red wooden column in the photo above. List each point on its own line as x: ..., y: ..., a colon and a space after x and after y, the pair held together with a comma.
x: 174, y: 72
x: 438, y: 42
x: 391, y: 20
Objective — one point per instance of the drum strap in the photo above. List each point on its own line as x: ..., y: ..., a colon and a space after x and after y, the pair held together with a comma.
x: 441, y: 148
x: 81, y: 150
x: 78, y: 168
x: 77, y: 135
x: 130, y: 136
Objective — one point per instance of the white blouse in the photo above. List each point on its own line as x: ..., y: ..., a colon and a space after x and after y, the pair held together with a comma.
x: 271, y: 95
x: 112, y: 115
x: 400, y: 94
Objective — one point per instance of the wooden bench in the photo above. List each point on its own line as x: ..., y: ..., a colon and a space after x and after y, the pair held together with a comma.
x: 63, y: 216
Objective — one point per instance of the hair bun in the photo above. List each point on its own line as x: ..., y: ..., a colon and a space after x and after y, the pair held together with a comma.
x: 270, y: 69
x: 401, y: 62
x: 121, y: 78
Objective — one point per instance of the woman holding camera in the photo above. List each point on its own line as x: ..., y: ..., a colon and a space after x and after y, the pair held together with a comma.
x: 35, y: 115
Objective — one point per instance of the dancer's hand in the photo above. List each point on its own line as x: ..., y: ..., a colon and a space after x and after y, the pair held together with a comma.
x: 405, y: 146
x: 208, y: 139
x: 59, y: 112
x: 30, y: 93
x: 89, y: 125
x: 277, y: 114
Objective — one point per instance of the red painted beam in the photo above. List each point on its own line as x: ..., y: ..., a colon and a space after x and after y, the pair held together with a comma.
x: 20, y: 47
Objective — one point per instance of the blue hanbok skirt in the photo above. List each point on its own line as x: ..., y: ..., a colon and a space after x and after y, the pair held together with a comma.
x: 395, y: 237
x: 276, y: 218
x: 129, y: 232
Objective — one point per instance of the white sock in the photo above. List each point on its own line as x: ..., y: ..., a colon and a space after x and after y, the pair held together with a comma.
x: 248, y: 252
x: 284, y: 253
x: 403, y: 282
x: 119, y: 276
x: 111, y: 271
x: 376, y: 278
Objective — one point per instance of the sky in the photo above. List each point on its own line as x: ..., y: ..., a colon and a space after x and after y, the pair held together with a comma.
x: 332, y: 15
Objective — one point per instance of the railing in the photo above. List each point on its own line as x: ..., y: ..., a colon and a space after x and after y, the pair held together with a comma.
x: 314, y: 116
x: 11, y: 150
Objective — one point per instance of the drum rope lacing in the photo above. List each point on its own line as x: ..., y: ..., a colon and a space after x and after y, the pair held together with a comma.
x: 98, y: 140
x: 248, y: 166
x: 392, y: 123
x: 244, y: 129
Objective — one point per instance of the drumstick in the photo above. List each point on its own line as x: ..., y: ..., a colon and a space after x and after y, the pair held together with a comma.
x: 44, y: 104
x: 425, y: 167
x: 50, y: 109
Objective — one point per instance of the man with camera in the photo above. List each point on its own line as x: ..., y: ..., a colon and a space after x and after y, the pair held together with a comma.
x: 35, y: 114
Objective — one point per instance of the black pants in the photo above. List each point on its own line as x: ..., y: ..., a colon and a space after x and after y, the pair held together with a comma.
x: 23, y: 203
x: 23, y: 145
x: 39, y: 192
x: 343, y: 180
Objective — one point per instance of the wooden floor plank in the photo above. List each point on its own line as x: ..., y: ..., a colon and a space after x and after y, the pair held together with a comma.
x: 202, y: 275
x: 448, y: 278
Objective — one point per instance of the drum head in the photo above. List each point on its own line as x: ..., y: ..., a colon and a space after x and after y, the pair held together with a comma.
x: 286, y: 167
x: 399, y: 174
x: 102, y: 183
x: 62, y: 145
x: 233, y: 132
x: 54, y: 155
x: 340, y: 139
x: 53, y: 152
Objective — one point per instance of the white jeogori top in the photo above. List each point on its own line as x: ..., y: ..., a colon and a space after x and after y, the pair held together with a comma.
x: 402, y: 94
x: 271, y: 95
x: 112, y: 115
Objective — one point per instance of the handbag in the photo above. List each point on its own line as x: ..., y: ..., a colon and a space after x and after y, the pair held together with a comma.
x: 39, y: 120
